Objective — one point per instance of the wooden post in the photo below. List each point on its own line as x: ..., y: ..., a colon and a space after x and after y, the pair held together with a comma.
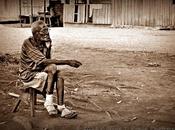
x: 87, y: 11
x: 113, y: 13
x: 20, y: 13
x: 31, y: 17
x: 16, y: 105
x: 45, y: 11
x: 32, y: 102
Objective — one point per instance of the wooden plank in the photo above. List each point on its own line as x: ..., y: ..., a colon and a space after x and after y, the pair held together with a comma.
x: 125, y: 14
x: 163, y: 14
x: 141, y: 13
x: 144, y: 12
x: 151, y: 12
x: 173, y: 14
x: 69, y: 13
x: 117, y: 9
x: 156, y: 12
x: 170, y: 10
x: 122, y: 13
x: 147, y: 12
x: 168, y: 13
x: 133, y: 16
x: 159, y: 12
x: 129, y: 12
x: 109, y: 14
x: 137, y: 12
x: 81, y: 13
x: 105, y: 14
x: 132, y: 12
x: 113, y: 13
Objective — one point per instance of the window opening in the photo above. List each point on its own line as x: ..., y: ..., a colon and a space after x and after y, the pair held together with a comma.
x: 76, y: 14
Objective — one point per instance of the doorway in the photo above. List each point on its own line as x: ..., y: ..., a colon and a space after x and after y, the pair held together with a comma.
x: 56, y: 13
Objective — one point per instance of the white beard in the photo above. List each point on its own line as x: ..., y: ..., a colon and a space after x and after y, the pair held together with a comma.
x: 48, y: 44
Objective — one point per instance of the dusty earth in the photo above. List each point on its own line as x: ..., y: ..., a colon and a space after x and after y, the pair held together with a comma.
x: 126, y: 82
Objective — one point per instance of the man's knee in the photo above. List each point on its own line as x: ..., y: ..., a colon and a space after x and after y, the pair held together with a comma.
x: 61, y: 79
x: 52, y: 68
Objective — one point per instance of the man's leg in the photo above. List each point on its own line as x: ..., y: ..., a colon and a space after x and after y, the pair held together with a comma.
x: 60, y: 89
x: 65, y: 112
x: 51, y: 71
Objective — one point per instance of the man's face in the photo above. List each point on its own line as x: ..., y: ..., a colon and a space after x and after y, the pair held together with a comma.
x: 43, y: 35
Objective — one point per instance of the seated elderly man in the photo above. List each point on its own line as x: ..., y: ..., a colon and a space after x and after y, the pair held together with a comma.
x: 39, y: 71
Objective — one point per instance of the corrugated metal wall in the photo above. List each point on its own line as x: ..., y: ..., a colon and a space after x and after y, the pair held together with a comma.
x: 9, y: 10
x: 103, y: 15
x: 143, y: 12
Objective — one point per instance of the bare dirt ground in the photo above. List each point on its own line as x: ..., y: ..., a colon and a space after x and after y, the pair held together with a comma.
x: 126, y: 82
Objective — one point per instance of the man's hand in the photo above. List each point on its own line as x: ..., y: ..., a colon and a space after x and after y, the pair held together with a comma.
x: 74, y: 63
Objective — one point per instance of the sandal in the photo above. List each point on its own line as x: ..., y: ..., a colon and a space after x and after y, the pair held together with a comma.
x: 68, y: 114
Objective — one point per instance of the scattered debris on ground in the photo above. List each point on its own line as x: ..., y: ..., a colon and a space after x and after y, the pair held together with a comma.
x: 8, y: 59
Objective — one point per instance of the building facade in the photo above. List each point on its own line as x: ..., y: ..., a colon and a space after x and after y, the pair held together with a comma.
x: 143, y: 12
x: 116, y: 13
x: 153, y: 13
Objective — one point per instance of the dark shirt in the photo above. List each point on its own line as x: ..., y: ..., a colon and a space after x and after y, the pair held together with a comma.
x: 31, y: 58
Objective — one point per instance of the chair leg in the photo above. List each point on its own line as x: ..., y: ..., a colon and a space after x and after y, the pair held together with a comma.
x: 32, y: 101
x: 35, y: 97
x: 16, y: 105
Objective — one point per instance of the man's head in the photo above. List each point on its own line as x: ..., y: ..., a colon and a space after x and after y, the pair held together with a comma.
x: 40, y: 31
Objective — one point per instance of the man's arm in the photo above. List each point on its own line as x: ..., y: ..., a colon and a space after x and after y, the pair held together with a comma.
x: 72, y: 63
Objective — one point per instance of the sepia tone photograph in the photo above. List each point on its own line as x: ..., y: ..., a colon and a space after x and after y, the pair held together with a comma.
x: 87, y: 64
